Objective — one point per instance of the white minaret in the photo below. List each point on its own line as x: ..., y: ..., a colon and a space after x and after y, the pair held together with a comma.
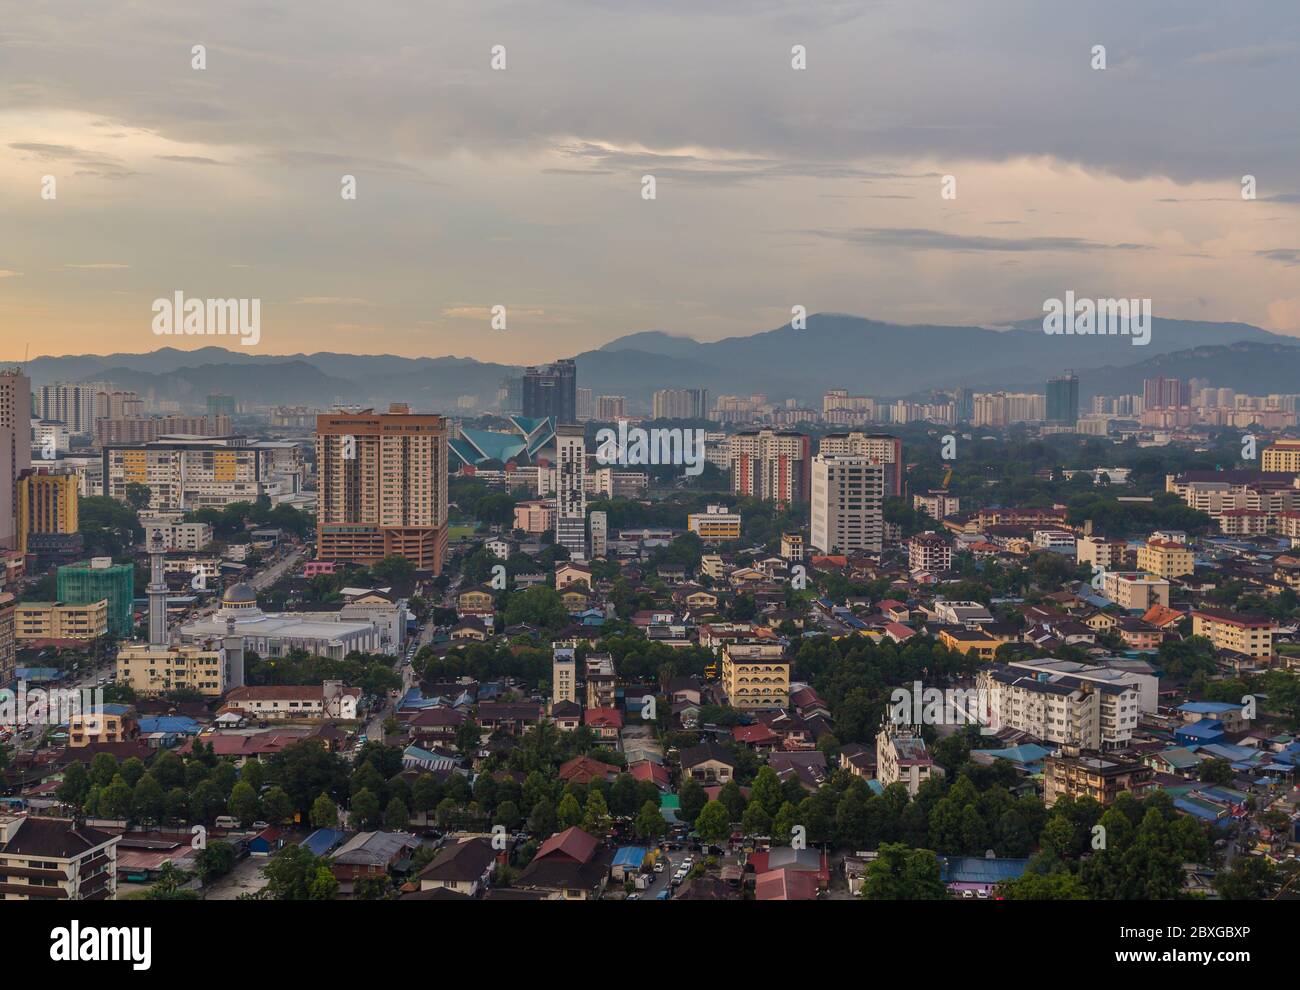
x: 157, y: 591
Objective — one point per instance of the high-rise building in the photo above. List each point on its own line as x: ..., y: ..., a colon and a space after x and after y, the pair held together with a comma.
x: 95, y: 580
x: 1005, y: 408
x: 586, y: 405
x: 220, y: 404
x: 886, y: 449
x: 186, y: 472
x: 15, y: 448
x: 1282, y: 455
x: 47, y: 507
x: 847, y: 503
x: 599, y: 535
x: 71, y: 403
x: 610, y: 408
x: 552, y: 391
x: 8, y: 640
x: 570, y: 490
x: 681, y: 403
x: 1063, y: 399
x: 382, y: 487
x: 1165, y: 393
x: 564, y: 674
x: 716, y: 524
x: 510, y: 395
x: 118, y: 404
x: 771, y: 465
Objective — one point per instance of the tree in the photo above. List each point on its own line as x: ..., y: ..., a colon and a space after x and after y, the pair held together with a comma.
x: 507, y: 814
x: 595, y: 819
x: 396, y: 816
x: 215, y: 860
x: 1215, y: 771
x: 569, y: 813
x: 74, y: 786
x: 1252, y: 878
x: 766, y: 791
x: 148, y: 801
x: 243, y: 803
x: 324, y: 886
x: 756, y: 820
x: 364, y: 809
x: 692, y: 800
x: 649, y: 824
x: 713, y: 823
x: 138, y: 495
x: 902, y: 874
x: 324, y: 812
x: 784, y: 824
x: 276, y: 806
x: 293, y: 874
x: 541, y: 820
x: 115, y: 799
x: 468, y: 737
x: 1061, y: 886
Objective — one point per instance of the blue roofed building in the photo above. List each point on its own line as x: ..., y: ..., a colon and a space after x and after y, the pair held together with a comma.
x: 1230, y: 714
x: 627, y: 862
x: 1027, y: 757
x: 529, y: 435
x: 1205, y: 731
x: 978, y: 873
x: 181, y: 725
x: 323, y: 840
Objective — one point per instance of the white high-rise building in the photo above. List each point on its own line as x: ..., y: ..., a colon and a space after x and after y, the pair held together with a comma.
x: 71, y: 403
x: 599, y: 541
x: 570, y: 490
x: 848, y: 494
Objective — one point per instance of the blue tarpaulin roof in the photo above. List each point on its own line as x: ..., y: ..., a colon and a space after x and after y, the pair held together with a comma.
x: 978, y: 869
x: 630, y: 856
x: 323, y: 840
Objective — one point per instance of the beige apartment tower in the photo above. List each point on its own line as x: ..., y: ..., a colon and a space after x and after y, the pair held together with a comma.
x: 382, y: 483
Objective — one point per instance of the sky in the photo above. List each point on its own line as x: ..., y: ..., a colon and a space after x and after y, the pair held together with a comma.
x: 522, y: 187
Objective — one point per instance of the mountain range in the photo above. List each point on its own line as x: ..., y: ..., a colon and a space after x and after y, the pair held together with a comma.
x: 833, y: 351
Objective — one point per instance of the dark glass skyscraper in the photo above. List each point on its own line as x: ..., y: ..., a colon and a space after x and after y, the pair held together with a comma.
x: 1063, y: 399
x: 552, y: 391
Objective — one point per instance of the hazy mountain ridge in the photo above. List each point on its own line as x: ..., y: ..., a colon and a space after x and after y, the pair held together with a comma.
x: 834, y: 351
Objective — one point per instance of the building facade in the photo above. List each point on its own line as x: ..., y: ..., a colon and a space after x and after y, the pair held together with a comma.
x: 847, y: 503
x: 382, y: 487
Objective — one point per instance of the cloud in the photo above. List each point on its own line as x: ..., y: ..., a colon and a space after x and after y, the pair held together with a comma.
x: 1288, y: 256
x: 331, y: 300
x: 189, y: 159
x: 922, y: 239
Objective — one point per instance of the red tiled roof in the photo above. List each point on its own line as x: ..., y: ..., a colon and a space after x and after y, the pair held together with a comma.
x: 785, y: 885
x: 572, y: 844
x: 603, y: 717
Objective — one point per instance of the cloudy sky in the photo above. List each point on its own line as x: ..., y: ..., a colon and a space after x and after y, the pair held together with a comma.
x: 523, y: 187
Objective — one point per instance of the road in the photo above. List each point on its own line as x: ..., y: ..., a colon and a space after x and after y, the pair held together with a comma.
x: 273, y: 573
x: 662, y: 880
